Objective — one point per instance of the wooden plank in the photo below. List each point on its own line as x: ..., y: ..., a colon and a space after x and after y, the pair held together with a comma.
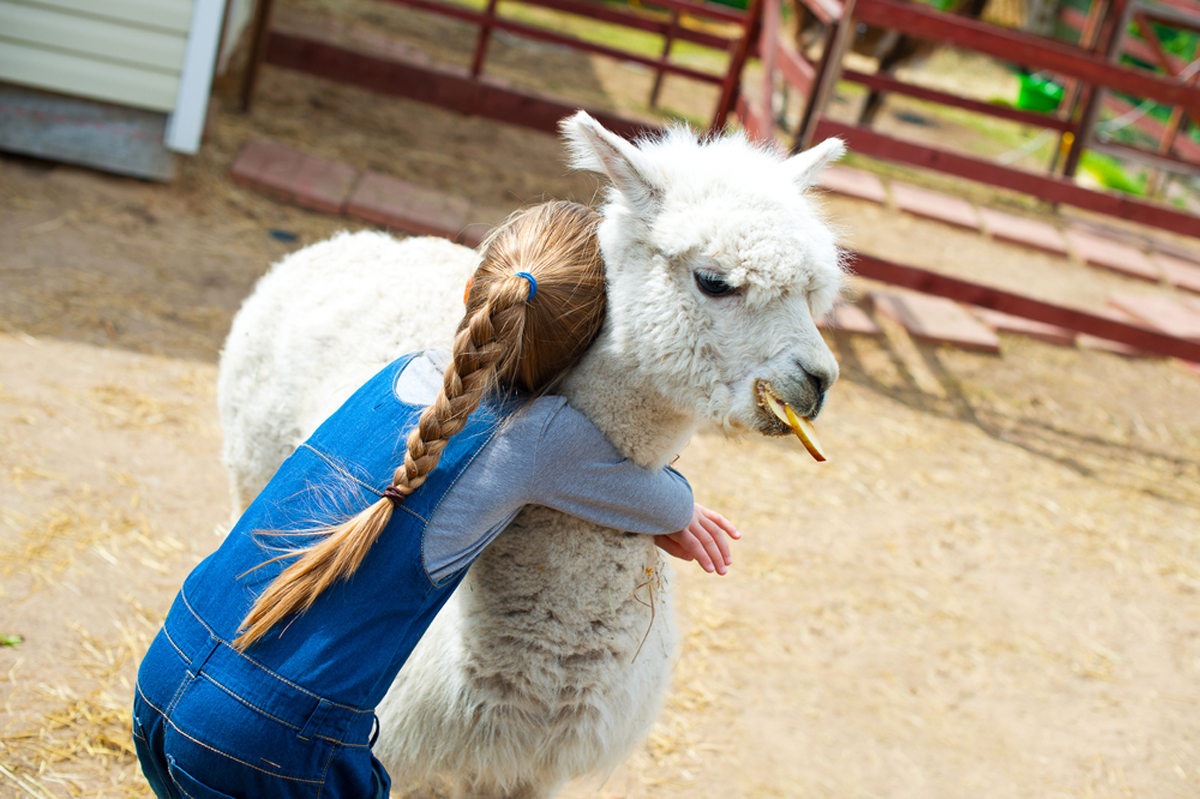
x: 1024, y: 49
x: 953, y: 288
x: 91, y: 38
x: 125, y: 141
x: 731, y: 83
x: 83, y: 77
x: 1052, y: 189
x: 442, y: 86
x: 172, y: 16
x: 1183, y: 16
x: 797, y: 70
x: 886, y: 83
x: 636, y: 21
x: 936, y: 320
x: 838, y: 36
x: 542, y: 34
x: 771, y: 17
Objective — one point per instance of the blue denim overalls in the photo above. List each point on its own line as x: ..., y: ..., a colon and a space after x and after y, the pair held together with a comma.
x: 293, y: 715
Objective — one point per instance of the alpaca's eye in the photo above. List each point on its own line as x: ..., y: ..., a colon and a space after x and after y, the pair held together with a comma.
x: 713, y: 285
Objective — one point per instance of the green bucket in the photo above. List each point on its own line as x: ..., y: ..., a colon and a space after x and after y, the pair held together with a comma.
x: 1039, y: 93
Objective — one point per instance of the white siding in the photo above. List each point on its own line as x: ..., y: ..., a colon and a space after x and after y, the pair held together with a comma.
x: 168, y: 15
x: 129, y: 52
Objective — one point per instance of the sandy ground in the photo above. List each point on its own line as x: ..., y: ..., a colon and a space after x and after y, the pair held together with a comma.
x: 991, y: 590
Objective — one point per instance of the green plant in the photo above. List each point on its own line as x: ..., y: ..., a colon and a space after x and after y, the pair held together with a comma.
x: 1111, y: 173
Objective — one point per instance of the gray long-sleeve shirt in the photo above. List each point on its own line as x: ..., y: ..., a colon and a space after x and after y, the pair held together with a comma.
x: 548, y: 454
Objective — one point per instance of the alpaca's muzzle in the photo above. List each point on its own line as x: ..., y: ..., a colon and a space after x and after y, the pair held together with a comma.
x: 802, y: 427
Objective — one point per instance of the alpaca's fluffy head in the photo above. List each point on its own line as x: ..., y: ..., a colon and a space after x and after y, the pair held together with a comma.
x: 719, y: 266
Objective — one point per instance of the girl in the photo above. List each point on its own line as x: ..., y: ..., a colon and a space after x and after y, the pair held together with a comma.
x: 264, y: 677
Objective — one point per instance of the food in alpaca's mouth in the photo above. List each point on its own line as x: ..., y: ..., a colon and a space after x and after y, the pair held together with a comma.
x: 800, y: 425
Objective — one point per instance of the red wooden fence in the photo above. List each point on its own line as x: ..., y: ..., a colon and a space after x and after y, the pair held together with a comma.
x: 1089, y: 70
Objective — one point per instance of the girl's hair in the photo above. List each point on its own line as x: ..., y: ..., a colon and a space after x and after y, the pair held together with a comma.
x: 513, y: 336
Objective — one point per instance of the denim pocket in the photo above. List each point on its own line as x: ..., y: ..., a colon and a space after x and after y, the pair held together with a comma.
x: 224, y: 739
x: 191, y: 787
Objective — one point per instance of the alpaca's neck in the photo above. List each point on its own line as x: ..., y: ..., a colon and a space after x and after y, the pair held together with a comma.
x: 635, y: 417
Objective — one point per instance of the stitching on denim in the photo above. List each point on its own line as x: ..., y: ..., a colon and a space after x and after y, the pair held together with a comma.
x: 187, y: 660
x: 236, y: 760
x: 165, y: 778
x: 175, y: 697
x: 341, y: 743
x: 138, y: 687
x: 249, y: 659
x: 325, y: 772
x: 248, y: 703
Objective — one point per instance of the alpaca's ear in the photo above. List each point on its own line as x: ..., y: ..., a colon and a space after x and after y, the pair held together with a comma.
x: 806, y: 166
x: 596, y: 149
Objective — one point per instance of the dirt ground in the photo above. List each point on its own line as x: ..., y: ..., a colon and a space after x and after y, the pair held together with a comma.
x: 991, y: 590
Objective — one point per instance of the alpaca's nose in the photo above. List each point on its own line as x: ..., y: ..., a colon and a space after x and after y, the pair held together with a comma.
x: 819, y: 380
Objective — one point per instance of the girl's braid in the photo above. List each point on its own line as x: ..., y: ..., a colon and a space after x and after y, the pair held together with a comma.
x: 470, y: 374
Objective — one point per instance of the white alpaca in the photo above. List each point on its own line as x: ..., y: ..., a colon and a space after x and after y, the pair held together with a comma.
x: 718, y: 265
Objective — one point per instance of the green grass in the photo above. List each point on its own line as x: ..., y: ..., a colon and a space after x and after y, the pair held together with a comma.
x: 1111, y: 173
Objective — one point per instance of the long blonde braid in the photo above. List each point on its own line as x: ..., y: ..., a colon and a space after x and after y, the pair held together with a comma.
x: 505, y: 340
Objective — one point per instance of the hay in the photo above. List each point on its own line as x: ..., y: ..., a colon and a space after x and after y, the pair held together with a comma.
x: 48, y: 544
x: 675, y: 750
x: 87, y: 729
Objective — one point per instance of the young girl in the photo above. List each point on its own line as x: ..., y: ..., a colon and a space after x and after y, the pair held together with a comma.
x: 264, y: 677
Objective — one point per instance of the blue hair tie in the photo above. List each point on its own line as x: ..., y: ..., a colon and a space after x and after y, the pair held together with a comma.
x: 532, y: 285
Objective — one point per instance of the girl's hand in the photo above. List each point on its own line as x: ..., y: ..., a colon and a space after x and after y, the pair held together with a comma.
x: 703, y: 540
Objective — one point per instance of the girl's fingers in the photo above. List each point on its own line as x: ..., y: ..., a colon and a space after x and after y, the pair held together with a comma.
x: 718, y: 545
x: 700, y: 549
x: 669, y: 545
x: 723, y: 523
x: 710, y: 544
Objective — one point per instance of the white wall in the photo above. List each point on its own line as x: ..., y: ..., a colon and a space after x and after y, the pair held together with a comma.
x: 128, y: 52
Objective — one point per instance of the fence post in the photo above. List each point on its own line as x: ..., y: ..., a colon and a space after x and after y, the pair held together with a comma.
x: 837, y: 38
x: 731, y: 86
x: 261, y: 30
x: 768, y: 46
x: 1122, y: 11
x: 481, y: 44
x: 668, y: 40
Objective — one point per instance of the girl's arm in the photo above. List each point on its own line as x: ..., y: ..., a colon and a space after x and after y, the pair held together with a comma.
x: 703, y: 540
x: 578, y: 471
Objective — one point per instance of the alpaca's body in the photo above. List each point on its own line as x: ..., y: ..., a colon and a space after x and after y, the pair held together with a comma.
x: 528, y: 676
x: 329, y: 312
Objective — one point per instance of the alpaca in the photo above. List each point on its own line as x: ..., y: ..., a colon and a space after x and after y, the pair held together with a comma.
x: 549, y: 661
